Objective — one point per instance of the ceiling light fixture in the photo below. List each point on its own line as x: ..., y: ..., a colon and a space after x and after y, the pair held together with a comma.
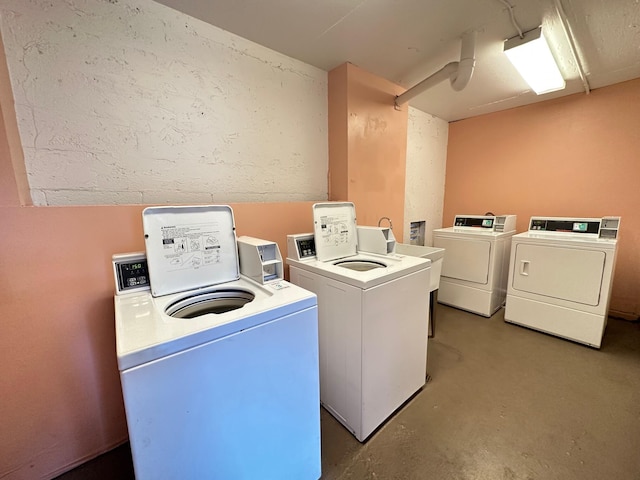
x: 532, y: 57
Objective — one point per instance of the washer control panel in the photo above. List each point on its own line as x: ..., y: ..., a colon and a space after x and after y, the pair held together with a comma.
x: 565, y: 225
x: 478, y: 222
x: 606, y: 227
x: 485, y: 223
x: 301, y: 246
x: 131, y: 273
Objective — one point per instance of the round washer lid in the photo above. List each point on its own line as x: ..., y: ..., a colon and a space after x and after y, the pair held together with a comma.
x: 189, y: 247
x: 334, y: 229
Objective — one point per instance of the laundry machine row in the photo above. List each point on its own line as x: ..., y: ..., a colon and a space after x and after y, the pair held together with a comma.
x: 219, y: 371
x: 556, y: 278
x: 561, y: 276
x: 372, y: 316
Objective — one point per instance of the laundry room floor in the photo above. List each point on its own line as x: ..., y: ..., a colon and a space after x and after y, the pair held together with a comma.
x: 503, y: 402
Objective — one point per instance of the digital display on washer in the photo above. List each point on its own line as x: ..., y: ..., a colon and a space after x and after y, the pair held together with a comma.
x: 580, y: 226
x: 486, y: 222
x: 572, y: 226
x: 306, y: 247
x: 132, y: 274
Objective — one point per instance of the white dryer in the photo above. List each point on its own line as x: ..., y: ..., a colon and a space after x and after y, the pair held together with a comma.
x: 219, y: 373
x: 560, y: 276
x: 476, y: 262
x: 372, y: 315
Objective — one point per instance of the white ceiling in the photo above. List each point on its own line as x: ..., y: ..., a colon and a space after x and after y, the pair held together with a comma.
x: 406, y: 41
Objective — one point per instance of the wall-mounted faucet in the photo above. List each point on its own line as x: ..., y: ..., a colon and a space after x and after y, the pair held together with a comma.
x: 388, y: 220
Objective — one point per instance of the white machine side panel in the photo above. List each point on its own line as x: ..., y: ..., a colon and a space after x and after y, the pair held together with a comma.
x: 500, y: 275
x: 244, y: 406
x: 465, y: 259
x: 394, y: 339
x: 571, y: 274
x: 340, y: 338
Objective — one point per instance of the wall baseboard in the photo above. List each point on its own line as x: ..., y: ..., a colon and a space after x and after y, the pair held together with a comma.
x: 630, y: 317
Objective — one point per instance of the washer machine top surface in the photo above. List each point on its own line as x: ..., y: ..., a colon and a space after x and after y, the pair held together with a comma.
x: 332, y: 250
x: 364, y: 270
x: 197, y: 293
x: 146, y: 330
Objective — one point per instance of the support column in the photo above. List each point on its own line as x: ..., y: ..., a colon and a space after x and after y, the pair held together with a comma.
x: 367, y: 145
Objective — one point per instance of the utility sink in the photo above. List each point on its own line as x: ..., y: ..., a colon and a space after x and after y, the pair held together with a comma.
x: 432, y: 253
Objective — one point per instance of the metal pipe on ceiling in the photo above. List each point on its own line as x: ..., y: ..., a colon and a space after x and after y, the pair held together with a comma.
x: 572, y: 45
x: 458, y: 73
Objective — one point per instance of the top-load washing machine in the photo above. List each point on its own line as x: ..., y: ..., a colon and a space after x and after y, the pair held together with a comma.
x: 219, y: 373
x: 372, y: 316
x: 560, y: 276
x: 476, y: 262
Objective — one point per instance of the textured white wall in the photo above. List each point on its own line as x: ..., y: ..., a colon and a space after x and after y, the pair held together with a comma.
x: 427, y: 139
x: 128, y: 101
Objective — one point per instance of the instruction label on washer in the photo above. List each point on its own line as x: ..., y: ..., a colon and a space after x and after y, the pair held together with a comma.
x: 334, y: 229
x: 191, y: 246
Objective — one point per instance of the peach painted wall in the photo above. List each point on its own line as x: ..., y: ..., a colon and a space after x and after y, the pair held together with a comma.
x: 573, y: 156
x: 338, y: 175
x: 374, y: 156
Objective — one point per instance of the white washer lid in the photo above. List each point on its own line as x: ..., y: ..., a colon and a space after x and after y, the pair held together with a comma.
x: 189, y: 247
x: 334, y: 228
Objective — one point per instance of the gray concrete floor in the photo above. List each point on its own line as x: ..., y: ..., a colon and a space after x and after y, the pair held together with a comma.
x: 506, y: 402
x: 503, y: 403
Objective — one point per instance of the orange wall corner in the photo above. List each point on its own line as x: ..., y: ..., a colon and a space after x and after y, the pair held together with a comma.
x: 14, y: 186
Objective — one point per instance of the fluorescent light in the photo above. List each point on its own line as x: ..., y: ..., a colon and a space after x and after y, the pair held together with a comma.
x: 533, y: 59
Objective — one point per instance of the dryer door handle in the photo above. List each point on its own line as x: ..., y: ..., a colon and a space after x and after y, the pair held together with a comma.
x: 524, y: 267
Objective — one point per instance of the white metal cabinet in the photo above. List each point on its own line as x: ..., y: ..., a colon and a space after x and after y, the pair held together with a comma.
x: 373, y: 345
x: 560, y: 277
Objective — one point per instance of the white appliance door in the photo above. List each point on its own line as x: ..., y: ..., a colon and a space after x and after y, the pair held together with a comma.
x: 571, y: 274
x: 465, y: 259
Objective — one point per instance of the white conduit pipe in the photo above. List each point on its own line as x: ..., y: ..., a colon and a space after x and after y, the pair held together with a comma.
x: 458, y: 73
x: 572, y: 45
